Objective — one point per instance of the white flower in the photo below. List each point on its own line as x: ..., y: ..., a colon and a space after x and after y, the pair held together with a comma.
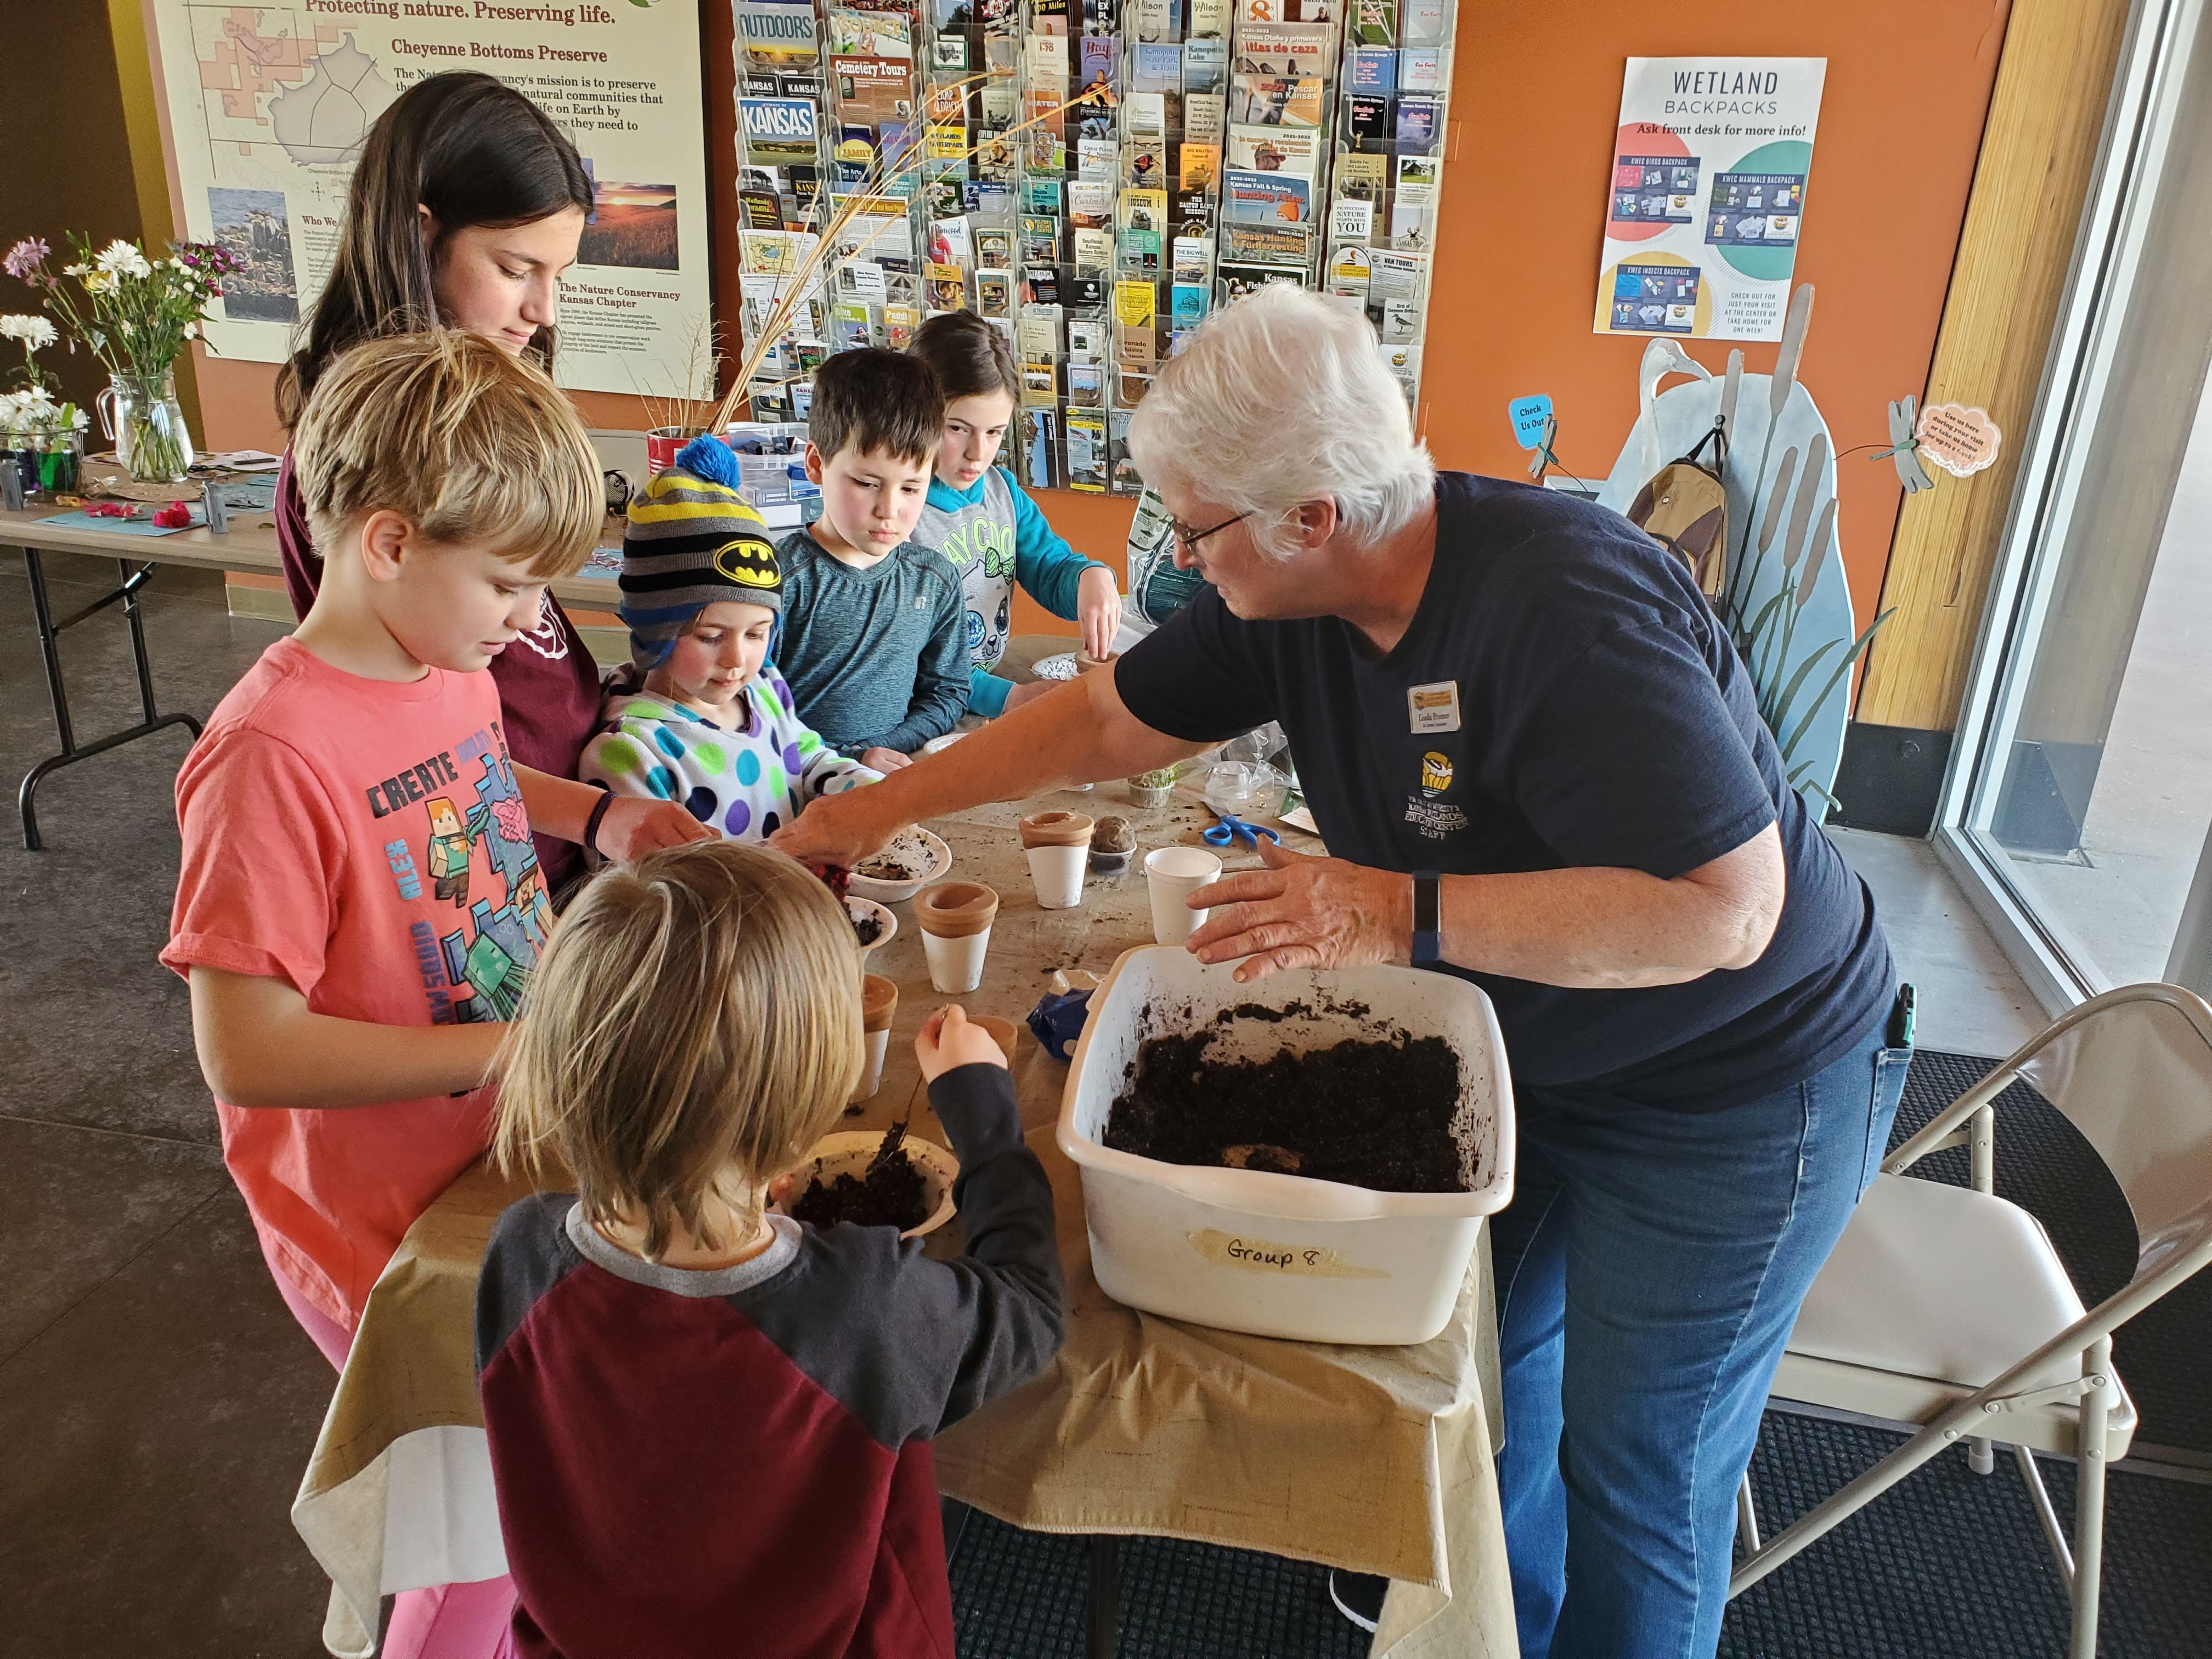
x: 76, y: 271
x: 122, y: 259
x: 191, y: 331
x: 34, y: 331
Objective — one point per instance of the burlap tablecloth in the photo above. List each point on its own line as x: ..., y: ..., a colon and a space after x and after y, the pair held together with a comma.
x: 1374, y: 1459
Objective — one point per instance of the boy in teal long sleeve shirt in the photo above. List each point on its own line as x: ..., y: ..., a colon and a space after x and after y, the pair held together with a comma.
x: 984, y: 523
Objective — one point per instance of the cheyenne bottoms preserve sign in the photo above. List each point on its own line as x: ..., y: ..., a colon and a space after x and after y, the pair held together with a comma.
x: 268, y: 105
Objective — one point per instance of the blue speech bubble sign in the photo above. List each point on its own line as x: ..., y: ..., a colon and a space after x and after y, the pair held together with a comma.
x: 1528, y: 416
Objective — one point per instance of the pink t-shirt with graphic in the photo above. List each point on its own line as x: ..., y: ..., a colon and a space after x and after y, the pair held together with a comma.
x: 364, y: 842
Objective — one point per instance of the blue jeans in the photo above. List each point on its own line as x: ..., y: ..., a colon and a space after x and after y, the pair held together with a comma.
x: 1661, y: 1258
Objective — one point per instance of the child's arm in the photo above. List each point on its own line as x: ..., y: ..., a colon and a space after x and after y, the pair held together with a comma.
x: 822, y: 769
x: 1061, y: 579
x: 987, y: 693
x: 633, y: 827
x: 940, y: 682
x: 999, y: 1309
x: 260, y: 1045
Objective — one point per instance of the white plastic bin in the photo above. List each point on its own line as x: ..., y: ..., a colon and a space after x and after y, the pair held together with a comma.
x: 1280, y: 1255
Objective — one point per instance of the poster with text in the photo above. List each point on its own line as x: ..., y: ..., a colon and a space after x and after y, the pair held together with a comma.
x: 1709, y: 169
x: 268, y: 105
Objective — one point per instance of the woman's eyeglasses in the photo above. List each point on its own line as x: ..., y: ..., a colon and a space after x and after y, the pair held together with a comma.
x: 1188, y: 538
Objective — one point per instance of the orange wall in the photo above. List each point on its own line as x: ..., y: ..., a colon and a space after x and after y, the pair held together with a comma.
x: 1536, y: 99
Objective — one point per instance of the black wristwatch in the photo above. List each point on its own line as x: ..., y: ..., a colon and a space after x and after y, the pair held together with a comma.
x: 1428, y: 919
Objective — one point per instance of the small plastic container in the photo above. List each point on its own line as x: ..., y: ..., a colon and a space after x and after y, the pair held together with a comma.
x: 1282, y: 1254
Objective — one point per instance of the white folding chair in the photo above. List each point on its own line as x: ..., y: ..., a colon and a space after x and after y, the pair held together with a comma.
x: 1945, y: 1307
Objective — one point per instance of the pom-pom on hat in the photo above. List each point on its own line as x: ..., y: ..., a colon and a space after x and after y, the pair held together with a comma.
x: 690, y: 541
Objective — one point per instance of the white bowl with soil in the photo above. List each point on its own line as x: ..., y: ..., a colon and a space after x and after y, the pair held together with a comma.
x: 915, y: 858
x: 848, y: 1153
x: 874, y: 925
x: 1349, y: 1217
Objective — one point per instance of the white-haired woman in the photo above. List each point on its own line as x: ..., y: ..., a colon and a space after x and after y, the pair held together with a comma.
x: 1538, y: 764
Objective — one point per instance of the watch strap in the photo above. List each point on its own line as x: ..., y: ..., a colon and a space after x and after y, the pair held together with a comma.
x: 1428, y: 919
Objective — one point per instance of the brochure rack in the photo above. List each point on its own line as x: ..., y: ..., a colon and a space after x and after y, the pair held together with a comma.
x: 1093, y: 176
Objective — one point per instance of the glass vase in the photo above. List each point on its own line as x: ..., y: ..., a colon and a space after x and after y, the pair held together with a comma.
x: 56, y: 458
x: 139, y: 412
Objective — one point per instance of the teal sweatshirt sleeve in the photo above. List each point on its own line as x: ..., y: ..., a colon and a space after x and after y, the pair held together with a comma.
x: 1048, y: 569
x: 987, y: 693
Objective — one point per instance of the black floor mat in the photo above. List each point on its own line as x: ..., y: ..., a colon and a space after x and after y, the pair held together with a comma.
x: 1948, y: 1565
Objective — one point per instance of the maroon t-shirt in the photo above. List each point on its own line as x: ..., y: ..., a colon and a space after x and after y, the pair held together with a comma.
x: 548, y: 687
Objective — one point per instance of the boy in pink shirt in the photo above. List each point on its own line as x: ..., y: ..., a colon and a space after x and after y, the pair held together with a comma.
x: 360, y: 906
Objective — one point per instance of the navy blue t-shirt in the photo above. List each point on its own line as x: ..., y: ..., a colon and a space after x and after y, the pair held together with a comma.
x: 1603, y: 719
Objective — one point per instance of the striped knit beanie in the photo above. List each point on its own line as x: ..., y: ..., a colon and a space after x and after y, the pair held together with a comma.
x: 692, y: 540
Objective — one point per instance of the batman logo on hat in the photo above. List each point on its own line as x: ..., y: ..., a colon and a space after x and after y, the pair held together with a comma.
x: 749, y: 561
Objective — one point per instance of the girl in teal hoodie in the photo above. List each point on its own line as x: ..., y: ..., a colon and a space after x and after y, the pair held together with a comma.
x: 979, y: 518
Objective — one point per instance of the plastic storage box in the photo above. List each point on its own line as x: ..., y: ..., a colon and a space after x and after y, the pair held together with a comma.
x: 1280, y: 1255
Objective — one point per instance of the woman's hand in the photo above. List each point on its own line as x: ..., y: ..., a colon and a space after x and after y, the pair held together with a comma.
x: 1304, y: 912
x: 884, y: 760
x: 949, y: 1038
x: 1098, y: 610
x: 844, y: 830
x: 634, y: 826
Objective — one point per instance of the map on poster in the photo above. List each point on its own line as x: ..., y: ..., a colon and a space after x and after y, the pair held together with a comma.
x: 1709, y: 168
x: 268, y: 106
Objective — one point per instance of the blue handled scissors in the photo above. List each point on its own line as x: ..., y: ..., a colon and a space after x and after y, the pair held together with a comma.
x: 1235, y: 829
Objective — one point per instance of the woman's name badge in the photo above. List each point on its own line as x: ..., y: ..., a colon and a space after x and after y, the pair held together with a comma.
x: 1434, y: 707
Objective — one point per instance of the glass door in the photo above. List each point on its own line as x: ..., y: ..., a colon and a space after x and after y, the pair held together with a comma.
x: 2080, y: 799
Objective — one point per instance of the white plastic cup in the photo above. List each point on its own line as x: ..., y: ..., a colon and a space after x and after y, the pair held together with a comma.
x: 955, y: 920
x: 956, y: 964
x: 873, y: 1079
x: 1174, y: 873
x: 1058, y: 873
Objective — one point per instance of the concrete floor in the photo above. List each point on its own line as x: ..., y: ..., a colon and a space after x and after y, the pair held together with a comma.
x: 157, y: 1403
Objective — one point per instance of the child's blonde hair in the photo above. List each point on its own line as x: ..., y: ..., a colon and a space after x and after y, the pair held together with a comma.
x: 464, y: 442
x: 693, y: 1028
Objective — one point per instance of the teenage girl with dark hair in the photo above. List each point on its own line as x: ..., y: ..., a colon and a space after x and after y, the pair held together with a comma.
x: 981, y: 520
x: 465, y: 207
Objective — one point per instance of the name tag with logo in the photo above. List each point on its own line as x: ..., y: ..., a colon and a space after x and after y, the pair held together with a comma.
x: 1433, y: 707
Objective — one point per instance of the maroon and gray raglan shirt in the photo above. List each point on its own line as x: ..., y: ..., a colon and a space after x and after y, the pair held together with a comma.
x: 737, y: 1461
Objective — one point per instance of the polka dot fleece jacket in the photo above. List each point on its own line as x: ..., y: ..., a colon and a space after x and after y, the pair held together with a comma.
x: 747, y: 784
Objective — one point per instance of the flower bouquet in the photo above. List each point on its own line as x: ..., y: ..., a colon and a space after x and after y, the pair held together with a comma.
x: 40, y: 433
x: 136, y: 315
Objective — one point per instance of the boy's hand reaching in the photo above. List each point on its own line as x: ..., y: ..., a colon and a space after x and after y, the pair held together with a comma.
x: 885, y: 760
x: 634, y: 826
x: 1098, y: 610
x: 948, y: 1038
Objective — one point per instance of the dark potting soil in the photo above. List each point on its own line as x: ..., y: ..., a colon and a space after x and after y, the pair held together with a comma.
x: 867, y: 926
x: 1369, y: 1114
x: 889, y: 1195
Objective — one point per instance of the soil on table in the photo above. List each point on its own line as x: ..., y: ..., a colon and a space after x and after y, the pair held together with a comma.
x: 1368, y: 1114
x: 890, y: 1195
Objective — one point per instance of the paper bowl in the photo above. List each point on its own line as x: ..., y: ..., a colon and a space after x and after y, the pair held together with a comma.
x: 897, y: 892
x: 860, y: 909
x: 846, y: 1152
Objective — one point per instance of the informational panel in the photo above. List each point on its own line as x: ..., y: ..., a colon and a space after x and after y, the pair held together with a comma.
x: 1710, y: 170
x: 268, y: 106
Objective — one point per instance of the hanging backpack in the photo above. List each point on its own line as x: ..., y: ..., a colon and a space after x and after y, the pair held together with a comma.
x: 1685, y: 508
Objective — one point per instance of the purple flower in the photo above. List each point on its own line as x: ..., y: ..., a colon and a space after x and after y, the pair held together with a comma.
x: 25, y: 258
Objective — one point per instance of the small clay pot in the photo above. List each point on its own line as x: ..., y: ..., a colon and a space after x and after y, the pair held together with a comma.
x: 878, y: 1002
x: 1054, y: 830
x: 956, y: 909
x: 1087, y: 664
x: 1003, y: 1032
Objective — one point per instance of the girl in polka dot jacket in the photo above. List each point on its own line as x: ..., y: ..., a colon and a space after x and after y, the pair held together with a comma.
x: 702, y: 717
